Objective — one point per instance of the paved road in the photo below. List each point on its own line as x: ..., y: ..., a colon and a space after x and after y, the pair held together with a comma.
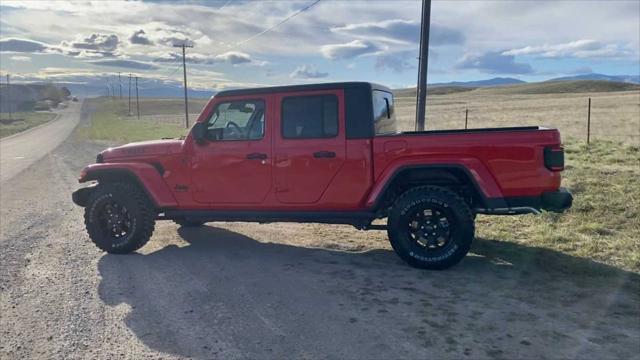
x: 285, y: 291
x: 19, y: 152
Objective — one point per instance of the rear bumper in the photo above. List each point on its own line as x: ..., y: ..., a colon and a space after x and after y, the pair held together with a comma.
x: 81, y: 196
x: 556, y: 201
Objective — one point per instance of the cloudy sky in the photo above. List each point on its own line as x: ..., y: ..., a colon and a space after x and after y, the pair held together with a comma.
x: 248, y: 43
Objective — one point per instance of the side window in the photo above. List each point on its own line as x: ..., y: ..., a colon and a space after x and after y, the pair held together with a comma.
x: 237, y: 120
x: 308, y: 117
x: 384, y: 118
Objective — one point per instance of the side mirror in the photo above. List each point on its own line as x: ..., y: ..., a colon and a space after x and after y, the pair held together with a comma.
x: 199, y: 132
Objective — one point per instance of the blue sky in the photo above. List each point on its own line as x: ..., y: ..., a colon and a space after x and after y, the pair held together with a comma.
x: 332, y: 41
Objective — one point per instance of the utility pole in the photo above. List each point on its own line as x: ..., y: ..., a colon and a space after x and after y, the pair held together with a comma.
x: 120, y: 83
x: 9, y: 97
x: 421, y: 100
x: 129, y: 94
x: 137, y: 101
x: 184, y: 70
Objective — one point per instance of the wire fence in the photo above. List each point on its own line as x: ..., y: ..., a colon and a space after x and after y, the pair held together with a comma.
x: 603, y: 116
x: 588, y: 132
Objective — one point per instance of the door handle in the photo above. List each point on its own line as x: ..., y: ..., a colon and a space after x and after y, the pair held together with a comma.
x: 257, y: 156
x: 324, y: 154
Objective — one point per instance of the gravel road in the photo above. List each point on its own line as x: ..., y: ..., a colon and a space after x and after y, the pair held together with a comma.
x: 20, y: 151
x: 278, y: 291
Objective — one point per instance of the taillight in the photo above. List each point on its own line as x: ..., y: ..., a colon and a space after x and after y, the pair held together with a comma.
x: 554, y: 157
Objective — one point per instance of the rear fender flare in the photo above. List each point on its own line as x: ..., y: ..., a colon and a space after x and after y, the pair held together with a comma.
x: 146, y: 176
x: 478, y: 175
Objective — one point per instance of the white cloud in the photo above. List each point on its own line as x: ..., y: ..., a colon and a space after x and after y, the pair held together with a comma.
x: 307, y: 72
x: 233, y: 57
x: 230, y: 57
x: 398, y: 62
x: 22, y: 46
x: 401, y: 31
x: 20, y: 58
x: 140, y: 38
x: 128, y: 64
x: 349, y: 50
x: 579, y: 48
x: 96, y: 42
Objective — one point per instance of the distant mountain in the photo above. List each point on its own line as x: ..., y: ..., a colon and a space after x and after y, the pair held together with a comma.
x: 634, y: 79
x: 561, y: 87
x: 499, y: 81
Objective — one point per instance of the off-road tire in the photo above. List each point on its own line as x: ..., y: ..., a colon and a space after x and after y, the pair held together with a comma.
x: 189, y: 222
x: 461, y: 227
x: 141, y: 210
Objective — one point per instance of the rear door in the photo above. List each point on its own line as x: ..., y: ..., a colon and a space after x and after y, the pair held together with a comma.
x: 309, y: 147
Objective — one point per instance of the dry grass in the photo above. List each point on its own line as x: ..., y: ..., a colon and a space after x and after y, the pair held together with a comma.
x: 604, y: 222
x: 614, y: 115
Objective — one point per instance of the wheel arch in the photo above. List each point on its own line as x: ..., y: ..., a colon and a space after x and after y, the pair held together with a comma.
x: 454, y: 176
x: 145, y: 176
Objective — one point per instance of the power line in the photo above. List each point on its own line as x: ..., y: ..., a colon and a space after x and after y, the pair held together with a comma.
x: 225, y: 5
x: 174, y: 70
x: 308, y: 7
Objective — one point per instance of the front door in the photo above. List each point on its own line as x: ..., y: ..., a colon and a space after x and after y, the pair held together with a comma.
x: 309, y: 144
x: 234, y: 165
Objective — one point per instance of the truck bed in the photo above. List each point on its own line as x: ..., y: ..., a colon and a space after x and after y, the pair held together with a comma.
x: 506, y: 163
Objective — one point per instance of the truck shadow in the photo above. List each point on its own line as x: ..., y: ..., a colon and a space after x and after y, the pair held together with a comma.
x: 225, y: 295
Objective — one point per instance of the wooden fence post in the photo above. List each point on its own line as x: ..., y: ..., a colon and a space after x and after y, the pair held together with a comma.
x: 589, y: 123
x: 466, y: 118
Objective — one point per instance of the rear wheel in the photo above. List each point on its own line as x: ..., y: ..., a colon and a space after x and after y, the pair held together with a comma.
x: 430, y: 227
x: 119, y: 218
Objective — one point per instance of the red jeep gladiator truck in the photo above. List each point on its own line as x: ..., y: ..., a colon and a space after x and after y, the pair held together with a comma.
x: 325, y: 153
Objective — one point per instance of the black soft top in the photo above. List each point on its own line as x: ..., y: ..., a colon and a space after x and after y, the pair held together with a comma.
x: 306, y: 87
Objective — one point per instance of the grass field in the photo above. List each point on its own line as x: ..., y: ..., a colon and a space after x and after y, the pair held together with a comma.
x: 22, y: 121
x: 614, y: 115
x: 604, y: 222
x: 110, y: 122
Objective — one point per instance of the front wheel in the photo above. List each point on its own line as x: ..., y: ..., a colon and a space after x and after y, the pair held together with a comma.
x: 119, y: 218
x: 430, y: 227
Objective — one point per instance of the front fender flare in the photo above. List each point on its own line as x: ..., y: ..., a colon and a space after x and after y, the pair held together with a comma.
x: 146, y: 175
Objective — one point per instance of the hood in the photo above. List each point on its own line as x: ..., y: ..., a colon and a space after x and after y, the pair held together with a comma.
x: 142, y: 149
